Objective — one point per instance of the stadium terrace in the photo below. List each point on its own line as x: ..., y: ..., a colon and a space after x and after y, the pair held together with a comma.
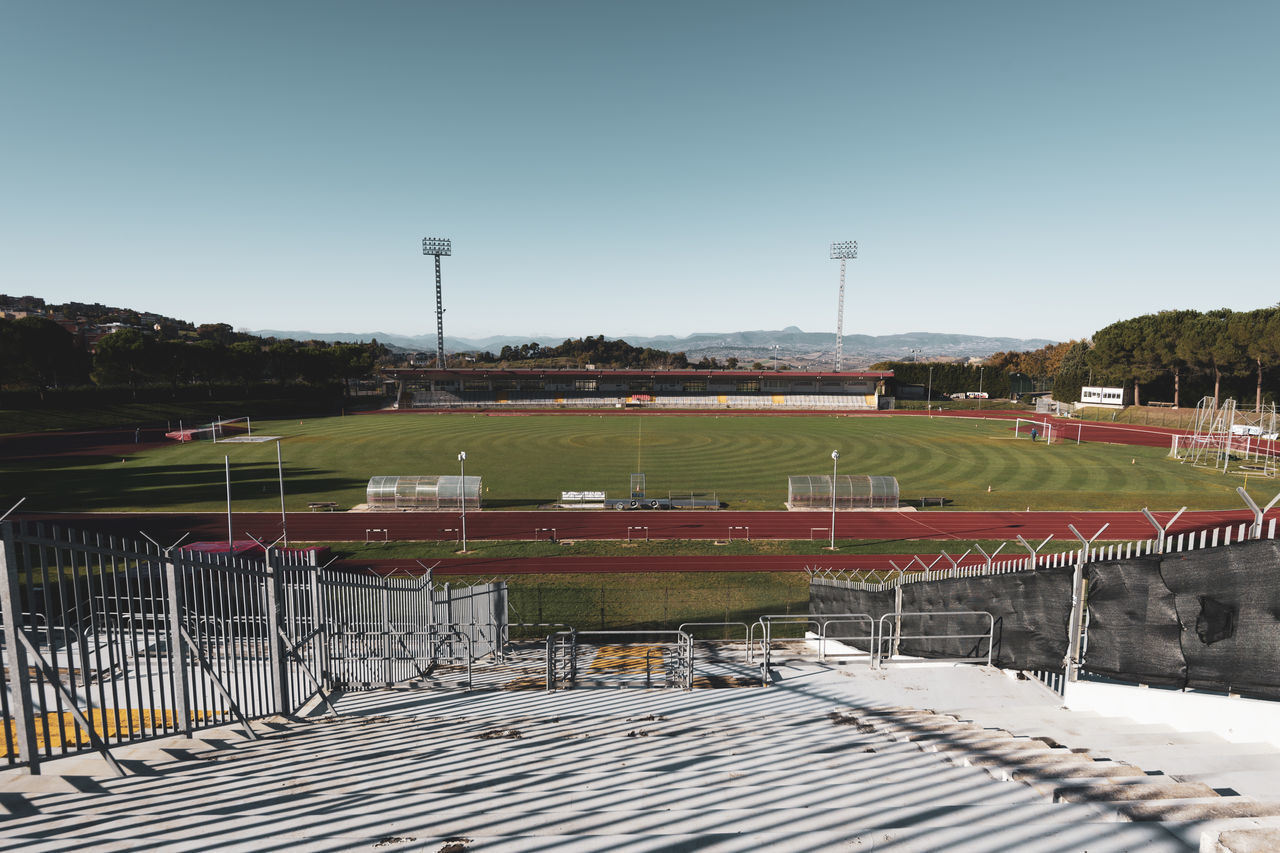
x: 433, y: 388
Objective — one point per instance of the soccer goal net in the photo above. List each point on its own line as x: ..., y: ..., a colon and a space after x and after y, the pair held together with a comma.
x: 232, y: 429
x: 1033, y: 429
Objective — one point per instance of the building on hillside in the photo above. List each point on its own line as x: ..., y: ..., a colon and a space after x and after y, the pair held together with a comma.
x: 430, y: 388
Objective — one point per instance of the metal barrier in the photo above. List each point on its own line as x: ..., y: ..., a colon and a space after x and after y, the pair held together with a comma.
x: 742, y: 625
x: 616, y: 667
x: 505, y: 634
x: 820, y: 625
x: 891, y: 636
x: 107, y: 641
x: 445, y: 642
x: 825, y: 623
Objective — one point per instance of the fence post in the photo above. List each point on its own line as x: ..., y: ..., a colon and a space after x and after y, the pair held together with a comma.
x: 990, y: 556
x: 386, y: 631
x: 320, y: 623
x: 177, y: 648
x: 1072, y: 662
x: 1161, y: 531
x: 1034, y: 552
x: 19, y: 669
x: 897, y: 619
x: 275, y: 645
x: 1255, y: 529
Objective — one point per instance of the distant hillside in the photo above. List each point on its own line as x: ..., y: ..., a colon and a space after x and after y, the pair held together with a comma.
x: 794, y: 345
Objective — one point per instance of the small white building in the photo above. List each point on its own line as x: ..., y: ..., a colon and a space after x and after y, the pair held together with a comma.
x: 1107, y: 398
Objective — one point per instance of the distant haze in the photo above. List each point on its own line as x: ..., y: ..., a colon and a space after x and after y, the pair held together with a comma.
x: 794, y: 345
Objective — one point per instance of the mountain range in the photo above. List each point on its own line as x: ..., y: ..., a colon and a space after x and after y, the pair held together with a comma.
x: 795, y: 346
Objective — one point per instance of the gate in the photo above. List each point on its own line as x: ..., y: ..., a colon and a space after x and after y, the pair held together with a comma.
x: 633, y: 659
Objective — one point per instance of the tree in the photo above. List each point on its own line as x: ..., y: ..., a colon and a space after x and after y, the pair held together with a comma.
x: 122, y: 357
x: 1072, y: 374
x: 1252, y: 333
x: 1170, y: 326
x: 1125, y: 351
x: 37, y: 352
x: 1207, y: 346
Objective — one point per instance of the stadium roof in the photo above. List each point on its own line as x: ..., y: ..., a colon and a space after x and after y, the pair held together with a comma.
x: 538, y: 373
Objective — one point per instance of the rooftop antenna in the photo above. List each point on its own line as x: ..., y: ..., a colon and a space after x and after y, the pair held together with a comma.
x: 438, y: 246
x: 844, y: 251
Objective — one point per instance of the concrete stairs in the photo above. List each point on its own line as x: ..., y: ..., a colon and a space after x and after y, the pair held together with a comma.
x: 817, y: 761
x: 1214, y: 818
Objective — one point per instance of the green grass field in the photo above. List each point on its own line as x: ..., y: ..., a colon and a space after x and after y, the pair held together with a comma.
x: 526, y: 461
x: 660, y: 601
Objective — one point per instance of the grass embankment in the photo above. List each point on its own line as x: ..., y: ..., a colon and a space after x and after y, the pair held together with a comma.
x: 119, y: 414
x: 654, y: 601
x: 527, y: 461
x: 1159, y: 416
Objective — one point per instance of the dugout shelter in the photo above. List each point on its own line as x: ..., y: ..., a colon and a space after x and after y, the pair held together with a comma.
x: 426, y: 492
x: 852, y: 491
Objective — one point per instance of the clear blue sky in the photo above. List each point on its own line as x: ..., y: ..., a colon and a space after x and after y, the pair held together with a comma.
x: 1031, y: 169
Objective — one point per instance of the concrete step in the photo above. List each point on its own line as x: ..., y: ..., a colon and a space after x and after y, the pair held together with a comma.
x: 1265, y: 840
x: 402, y: 816
x: 989, y: 746
x: 1026, y: 838
x: 317, y: 798
x: 1199, y: 808
x: 215, y: 792
x: 1123, y: 790
x: 1022, y: 760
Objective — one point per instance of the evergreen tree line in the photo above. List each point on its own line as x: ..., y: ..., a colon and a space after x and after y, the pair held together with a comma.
x: 1171, y: 356
x: 38, y: 354
x: 1230, y: 351
x: 600, y: 352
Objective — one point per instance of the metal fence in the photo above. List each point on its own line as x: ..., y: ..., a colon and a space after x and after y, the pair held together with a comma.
x: 1028, y: 620
x: 108, y: 641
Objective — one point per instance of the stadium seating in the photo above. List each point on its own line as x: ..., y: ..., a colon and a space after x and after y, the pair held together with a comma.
x: 674, y: 401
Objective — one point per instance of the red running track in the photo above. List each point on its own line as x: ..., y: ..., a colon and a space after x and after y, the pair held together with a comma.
x: 848, y: 558
x: 674, y: 524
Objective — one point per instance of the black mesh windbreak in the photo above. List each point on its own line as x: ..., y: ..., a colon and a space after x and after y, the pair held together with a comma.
x: 1031, y: 612
x: 825, y: 599
x: 1228, y: 607
x: 1134, y: 634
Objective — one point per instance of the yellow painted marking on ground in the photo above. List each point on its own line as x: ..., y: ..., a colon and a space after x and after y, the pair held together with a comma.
x: 627, y: 659
x: 108, y: 723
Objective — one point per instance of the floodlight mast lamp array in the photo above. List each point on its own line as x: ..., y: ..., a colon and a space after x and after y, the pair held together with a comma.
x: 438, y: 246
x: 844, y: 250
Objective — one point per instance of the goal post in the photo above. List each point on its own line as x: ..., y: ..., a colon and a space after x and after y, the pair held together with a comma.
x: 230, y: 428
x: 1023, y: 427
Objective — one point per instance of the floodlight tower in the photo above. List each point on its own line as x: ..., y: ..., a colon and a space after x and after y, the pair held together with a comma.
x: 844, y: 251
x: 438, y: 246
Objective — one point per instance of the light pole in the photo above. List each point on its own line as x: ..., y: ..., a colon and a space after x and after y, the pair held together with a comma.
x: 462, y: 464
x: 981, y: 370
x: 928, y: 406
x: 843, y: 251
x: 438, y: 246
x: 835, y: 462
x: 775, y: 358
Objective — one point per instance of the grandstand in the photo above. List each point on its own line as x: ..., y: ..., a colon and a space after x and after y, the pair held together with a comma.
x: 424, y: 388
